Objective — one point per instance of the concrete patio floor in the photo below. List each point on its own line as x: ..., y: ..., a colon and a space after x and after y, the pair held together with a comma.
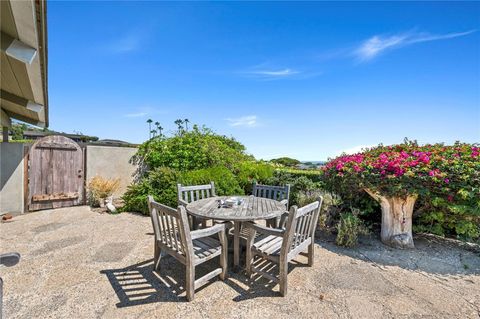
x: 80, y: 264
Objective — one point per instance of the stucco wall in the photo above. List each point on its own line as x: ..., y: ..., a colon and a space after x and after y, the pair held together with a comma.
x: 11, y: 178
x: 111, y: 162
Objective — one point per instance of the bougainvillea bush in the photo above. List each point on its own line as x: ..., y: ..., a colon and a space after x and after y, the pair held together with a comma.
x: 445, y: 178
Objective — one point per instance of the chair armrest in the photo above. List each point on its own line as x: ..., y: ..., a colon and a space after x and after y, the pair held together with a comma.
x: 9, y: 259
x: 284, y: 202
x: 205, y: 232
x: 265, y: 230
x: 181, y: 202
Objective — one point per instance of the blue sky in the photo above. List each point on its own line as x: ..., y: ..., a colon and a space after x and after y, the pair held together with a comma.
x: 307, y: 80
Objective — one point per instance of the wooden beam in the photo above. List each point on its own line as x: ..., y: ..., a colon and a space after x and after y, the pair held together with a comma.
x: 5, y: 120
x: 22, y: 102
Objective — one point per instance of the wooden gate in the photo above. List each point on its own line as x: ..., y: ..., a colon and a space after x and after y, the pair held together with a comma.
x: 55, y: 173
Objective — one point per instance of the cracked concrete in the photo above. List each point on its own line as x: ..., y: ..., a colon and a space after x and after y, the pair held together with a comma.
x: 80, y: 264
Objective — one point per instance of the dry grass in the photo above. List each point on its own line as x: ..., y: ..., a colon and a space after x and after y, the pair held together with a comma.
x: 101, y: 188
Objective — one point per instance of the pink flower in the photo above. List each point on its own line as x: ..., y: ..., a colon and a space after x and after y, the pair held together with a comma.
x: 431, y: 173
x: 446, y: 180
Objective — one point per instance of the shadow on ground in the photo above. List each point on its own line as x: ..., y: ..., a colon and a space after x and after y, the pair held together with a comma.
x: 432, y: 254
x: 139, y: 284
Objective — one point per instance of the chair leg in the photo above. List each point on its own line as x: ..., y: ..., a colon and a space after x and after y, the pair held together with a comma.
x: 311, y: 249
x: 157, y: 256
x: 248, y: 264
x: 224, y: 255
x: 283, y: 278
x: 190, y: 282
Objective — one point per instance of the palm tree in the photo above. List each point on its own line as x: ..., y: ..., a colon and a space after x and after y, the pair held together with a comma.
x: 179, y: 123
x: 186, y: 121
x: 160, y: 129
x: 154, y: 132
x: 149, y: 121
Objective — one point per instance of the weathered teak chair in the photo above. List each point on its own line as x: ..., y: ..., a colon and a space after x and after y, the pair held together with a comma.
x: 191, y: 248
x: 188, y: 194
x: 282, y: 245
x: 280, y: 193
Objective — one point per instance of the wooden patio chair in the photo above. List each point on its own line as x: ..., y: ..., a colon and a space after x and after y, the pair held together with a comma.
x: 280, y: 193
x: 191, y: 248
x: 282, y: 245
x: 188, y: 194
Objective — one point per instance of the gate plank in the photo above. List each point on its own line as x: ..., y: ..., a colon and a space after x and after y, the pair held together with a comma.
x: 56, y: 173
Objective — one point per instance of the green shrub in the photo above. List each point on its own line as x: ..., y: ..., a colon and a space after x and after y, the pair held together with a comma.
x: 250, y: 171
x: 195, y: 149
x: 302, y: 183
x: 349, y: 227
x: 225, y: 182
x: 286, y: 161
x: 161, y: 183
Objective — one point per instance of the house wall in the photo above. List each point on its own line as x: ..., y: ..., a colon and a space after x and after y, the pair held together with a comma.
x: 111, y: 162
x: 11, y: 178
x: 105, y: 161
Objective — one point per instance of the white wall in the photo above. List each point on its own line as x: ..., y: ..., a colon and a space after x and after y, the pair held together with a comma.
x: 11, y: 178
x: 111, y: 162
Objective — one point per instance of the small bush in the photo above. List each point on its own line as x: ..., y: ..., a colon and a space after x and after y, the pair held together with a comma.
x: 100, y: 188
x: 349, y: 227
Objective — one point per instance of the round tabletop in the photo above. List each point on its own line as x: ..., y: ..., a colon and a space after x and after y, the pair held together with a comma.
x: 251, y: 208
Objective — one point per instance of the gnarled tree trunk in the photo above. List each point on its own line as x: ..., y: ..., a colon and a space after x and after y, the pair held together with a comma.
x: 396, y: 219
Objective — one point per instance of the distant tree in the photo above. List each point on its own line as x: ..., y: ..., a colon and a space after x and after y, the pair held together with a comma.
x: 17, y: 130
x: 160, y: 129
x: 179, y: 124
x: 186, y: 121
x: 286, y: 161
x: 149, y: 121
x: 153, y: 133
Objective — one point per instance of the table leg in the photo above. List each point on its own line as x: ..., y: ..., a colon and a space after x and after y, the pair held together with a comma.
x: 236, y: 244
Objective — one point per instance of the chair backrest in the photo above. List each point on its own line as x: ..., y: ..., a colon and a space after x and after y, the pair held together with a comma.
x: 192, y: 193
x: 301, y: 224
x: 273, y: 192
x: 170, y: 227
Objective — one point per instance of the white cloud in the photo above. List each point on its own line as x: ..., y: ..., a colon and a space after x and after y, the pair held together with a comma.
x: 355, y: 149
x: 244, y: 121
x: 377, y: 44
x: 139, y: 114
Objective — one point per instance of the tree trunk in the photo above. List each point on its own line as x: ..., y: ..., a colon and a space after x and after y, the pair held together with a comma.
x: 396, y: 219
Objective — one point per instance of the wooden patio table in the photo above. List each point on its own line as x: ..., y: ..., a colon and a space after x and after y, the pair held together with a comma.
x: 251, y: 209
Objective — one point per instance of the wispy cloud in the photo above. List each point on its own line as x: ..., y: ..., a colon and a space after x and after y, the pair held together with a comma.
x: 267, y: 71
x: 131, y: 40
x: 244, y: 121
x: 274, y: 73
x: 378, y: 44
x: 138, y: 114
